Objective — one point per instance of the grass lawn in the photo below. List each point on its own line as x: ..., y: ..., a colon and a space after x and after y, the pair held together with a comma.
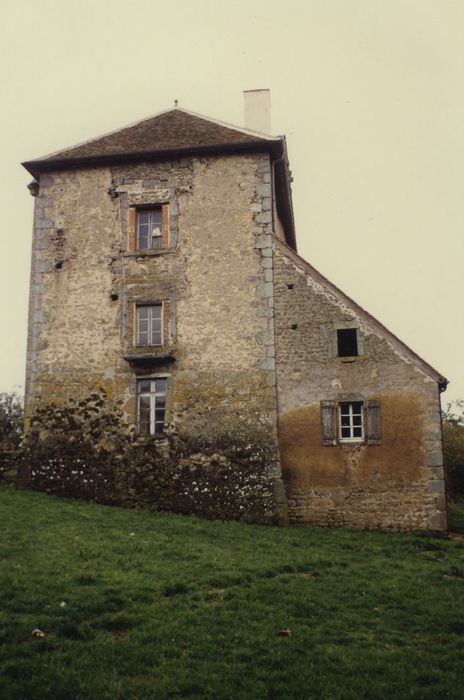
x: 148, y: 605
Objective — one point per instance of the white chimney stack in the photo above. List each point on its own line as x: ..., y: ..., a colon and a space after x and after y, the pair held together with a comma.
x: 257, y: 105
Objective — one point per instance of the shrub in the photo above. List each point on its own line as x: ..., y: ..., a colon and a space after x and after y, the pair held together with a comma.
x: 11, y: 421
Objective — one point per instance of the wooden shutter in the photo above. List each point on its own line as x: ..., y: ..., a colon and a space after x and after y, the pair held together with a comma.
x: 373, y: 422
x: 165, y: 225
x: 132, y: 232
x: 329, y: 422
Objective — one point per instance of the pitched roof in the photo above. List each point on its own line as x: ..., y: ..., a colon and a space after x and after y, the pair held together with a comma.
x: 174, y: 131
x: 172, y: 134
x: 370, y: 320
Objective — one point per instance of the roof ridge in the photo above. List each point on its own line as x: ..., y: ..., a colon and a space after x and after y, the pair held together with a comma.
x: 371, y: 320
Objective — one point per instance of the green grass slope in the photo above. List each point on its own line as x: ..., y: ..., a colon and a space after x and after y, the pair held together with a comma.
x: 142, y: 605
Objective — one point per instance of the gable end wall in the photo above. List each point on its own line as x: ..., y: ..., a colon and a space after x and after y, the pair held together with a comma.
x: 396, y: 485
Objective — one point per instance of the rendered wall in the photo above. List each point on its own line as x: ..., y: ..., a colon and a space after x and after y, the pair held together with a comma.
x: 395, y: 485
x: 220, y: 456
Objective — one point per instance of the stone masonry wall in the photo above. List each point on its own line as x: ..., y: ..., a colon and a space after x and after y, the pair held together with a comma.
x: 396, y: 485
x: 215, y: 280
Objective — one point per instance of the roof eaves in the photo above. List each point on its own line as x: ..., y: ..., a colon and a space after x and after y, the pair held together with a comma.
x: 371, y: 320
x: 284, y: 180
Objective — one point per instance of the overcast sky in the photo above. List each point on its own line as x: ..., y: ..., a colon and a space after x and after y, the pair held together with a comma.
x: 368, y: 92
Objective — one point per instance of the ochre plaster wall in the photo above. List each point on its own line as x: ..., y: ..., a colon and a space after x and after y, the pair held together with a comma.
x: 395, y: 485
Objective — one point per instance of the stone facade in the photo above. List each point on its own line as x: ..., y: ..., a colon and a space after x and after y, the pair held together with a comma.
x: 248, y: 350
x: 214, y: 279
x: 395, y: 484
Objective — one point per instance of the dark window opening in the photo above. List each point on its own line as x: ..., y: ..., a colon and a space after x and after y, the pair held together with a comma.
x: 59, y: 265
x: 294, y: 326
x: 290, y: 286
x: 347, y: 342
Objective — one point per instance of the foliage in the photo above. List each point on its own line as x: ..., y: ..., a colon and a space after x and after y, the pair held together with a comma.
x: 151, y: 605
x: 11, y: 420
x: 453, y: 446
x: 85, y: 449
x: 456, y: 517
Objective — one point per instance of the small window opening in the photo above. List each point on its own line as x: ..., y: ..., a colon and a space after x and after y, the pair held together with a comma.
x: 347, y: 342
x: 59, y: 265
x: 290, y: 286
x: 294, y: 326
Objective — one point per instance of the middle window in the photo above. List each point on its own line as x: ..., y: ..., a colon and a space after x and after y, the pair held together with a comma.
x: 149, y: 328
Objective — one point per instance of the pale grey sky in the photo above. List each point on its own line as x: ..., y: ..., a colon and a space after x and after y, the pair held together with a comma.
x: 368, y: 92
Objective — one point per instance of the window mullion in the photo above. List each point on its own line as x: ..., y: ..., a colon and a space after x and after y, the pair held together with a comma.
x: 152, y: 411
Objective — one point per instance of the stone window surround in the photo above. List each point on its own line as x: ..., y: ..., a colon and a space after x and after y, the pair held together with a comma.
x: 333, y: 341
x: 134, y: 221
x: 167, y: 310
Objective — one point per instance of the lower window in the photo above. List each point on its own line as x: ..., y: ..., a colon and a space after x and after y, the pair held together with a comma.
x: 151, y: 405
x: 351, y: 421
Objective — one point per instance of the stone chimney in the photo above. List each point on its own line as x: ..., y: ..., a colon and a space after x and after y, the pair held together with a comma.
x: 257, y: 105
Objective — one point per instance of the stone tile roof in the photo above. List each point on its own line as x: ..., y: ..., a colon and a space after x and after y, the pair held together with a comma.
x: 175, y: 130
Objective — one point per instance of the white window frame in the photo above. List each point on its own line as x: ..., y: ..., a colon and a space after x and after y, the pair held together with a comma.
x: 351, y: 415
x: 154, y: 395
x: 150, y: 307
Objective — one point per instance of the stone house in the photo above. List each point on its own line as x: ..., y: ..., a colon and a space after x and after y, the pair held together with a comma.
x: 181, y: 352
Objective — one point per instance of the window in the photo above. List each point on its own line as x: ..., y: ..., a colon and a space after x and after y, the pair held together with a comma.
x: 149, y: 325
x: 148, y: 228
x: 350, y: 422
x: 347, y: 342
x: 149, y: 233
x: 151, y: 405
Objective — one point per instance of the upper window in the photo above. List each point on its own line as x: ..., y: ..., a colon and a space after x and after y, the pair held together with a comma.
x: 149, y: 329
x: 148, y: 228
x: 351, y: 421
x: 151, y: 405
x: 347, y: 342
